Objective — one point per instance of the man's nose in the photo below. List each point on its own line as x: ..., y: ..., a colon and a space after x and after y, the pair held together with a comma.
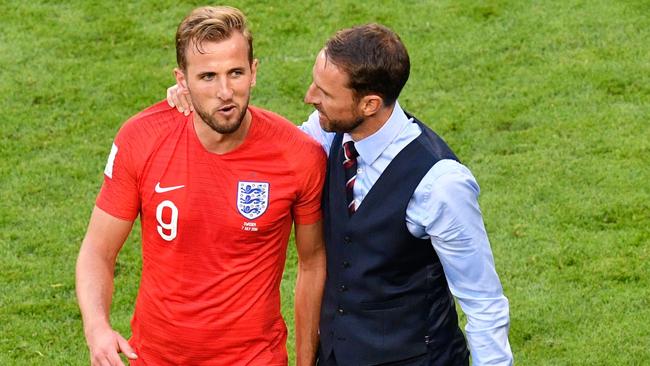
x: 224, y: 89
x: 309, y: 95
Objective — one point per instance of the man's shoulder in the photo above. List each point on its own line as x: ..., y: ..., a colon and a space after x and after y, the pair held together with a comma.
x: 433, y: 143
x: 267, y: 115
x: 272, y: 121
x: 153, y: 121
x: 279, y: 130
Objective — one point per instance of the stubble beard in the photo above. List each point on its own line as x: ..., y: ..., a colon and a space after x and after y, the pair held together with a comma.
x: 338, y: 125
x: 225, y: 127
x: 343, y: 126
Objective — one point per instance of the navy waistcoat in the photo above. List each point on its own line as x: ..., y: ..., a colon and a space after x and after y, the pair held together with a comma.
x: 386, y: 296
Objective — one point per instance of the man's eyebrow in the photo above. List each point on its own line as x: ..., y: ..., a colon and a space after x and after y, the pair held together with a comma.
x: 321, y: 89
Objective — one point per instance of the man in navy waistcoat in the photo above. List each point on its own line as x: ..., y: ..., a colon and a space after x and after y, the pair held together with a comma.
x: 403, y: 230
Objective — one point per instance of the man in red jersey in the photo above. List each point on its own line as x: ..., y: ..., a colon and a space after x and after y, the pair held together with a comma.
x: 217, y: 192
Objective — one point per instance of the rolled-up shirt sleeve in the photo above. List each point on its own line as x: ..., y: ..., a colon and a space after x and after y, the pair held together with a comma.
x: 445, y: 209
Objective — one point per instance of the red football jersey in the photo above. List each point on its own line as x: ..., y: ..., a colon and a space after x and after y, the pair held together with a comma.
x: 214, y: 234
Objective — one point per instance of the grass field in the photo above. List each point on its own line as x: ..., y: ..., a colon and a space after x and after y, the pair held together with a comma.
x: 548, y: 102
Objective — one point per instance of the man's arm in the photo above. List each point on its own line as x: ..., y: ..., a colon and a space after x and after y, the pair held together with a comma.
x: 312, y: 127
x: 95, y: 267
x: 445, y: 208
x: 309, y: 290
x: 179, y: 98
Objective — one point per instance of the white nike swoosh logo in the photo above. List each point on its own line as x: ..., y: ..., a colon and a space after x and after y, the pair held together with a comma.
x: 160, y: 189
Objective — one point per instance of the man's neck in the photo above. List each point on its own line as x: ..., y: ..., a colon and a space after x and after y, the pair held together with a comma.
x: 220, y: 143
x: 372, y: 123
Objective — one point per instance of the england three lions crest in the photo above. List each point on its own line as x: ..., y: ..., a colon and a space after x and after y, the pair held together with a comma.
x: 252, y: 199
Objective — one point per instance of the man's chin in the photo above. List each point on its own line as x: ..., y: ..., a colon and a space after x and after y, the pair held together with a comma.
x: 228, y: 129
x: 223, y: 127
x: 326, y: 128
x: 324, y: 124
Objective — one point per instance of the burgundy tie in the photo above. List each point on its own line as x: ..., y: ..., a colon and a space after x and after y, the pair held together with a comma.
x: 350, y: 167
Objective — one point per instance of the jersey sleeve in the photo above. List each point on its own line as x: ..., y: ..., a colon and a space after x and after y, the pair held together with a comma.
x: 119, y: 195
x: 311, y: 177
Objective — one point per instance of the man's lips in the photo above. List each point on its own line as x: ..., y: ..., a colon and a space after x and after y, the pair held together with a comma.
x: 226, y: 108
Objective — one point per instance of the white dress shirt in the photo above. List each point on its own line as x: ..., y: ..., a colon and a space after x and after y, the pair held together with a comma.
x: 444, y: 208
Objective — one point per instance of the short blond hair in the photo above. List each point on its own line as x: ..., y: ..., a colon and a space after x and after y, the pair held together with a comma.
x: 210, y: 23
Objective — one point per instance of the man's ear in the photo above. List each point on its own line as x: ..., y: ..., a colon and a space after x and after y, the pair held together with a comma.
x: 254, y: 72
x: 371, y: 104
x: 181, y: 81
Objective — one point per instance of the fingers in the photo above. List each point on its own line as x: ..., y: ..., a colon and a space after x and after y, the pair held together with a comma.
x: 107, y: 360
x: 170, y: 99
x: 125, y: 347
x: 115, y: 360
x: 186, y: 101
x: 100, y: 362
x: 105, y: 347
x: 180, y: 98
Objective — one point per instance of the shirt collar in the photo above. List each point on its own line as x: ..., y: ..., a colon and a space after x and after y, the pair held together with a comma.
x: 372, y: 146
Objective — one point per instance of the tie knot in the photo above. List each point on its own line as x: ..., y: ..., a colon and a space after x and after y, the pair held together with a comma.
x: 349, y: 150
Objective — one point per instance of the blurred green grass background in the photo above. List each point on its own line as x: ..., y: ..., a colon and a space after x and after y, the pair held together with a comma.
x: 548, y: 102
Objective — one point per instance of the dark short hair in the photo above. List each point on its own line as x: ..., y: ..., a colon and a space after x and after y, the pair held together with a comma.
x: 210, y: 23
x: 374, y: 58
